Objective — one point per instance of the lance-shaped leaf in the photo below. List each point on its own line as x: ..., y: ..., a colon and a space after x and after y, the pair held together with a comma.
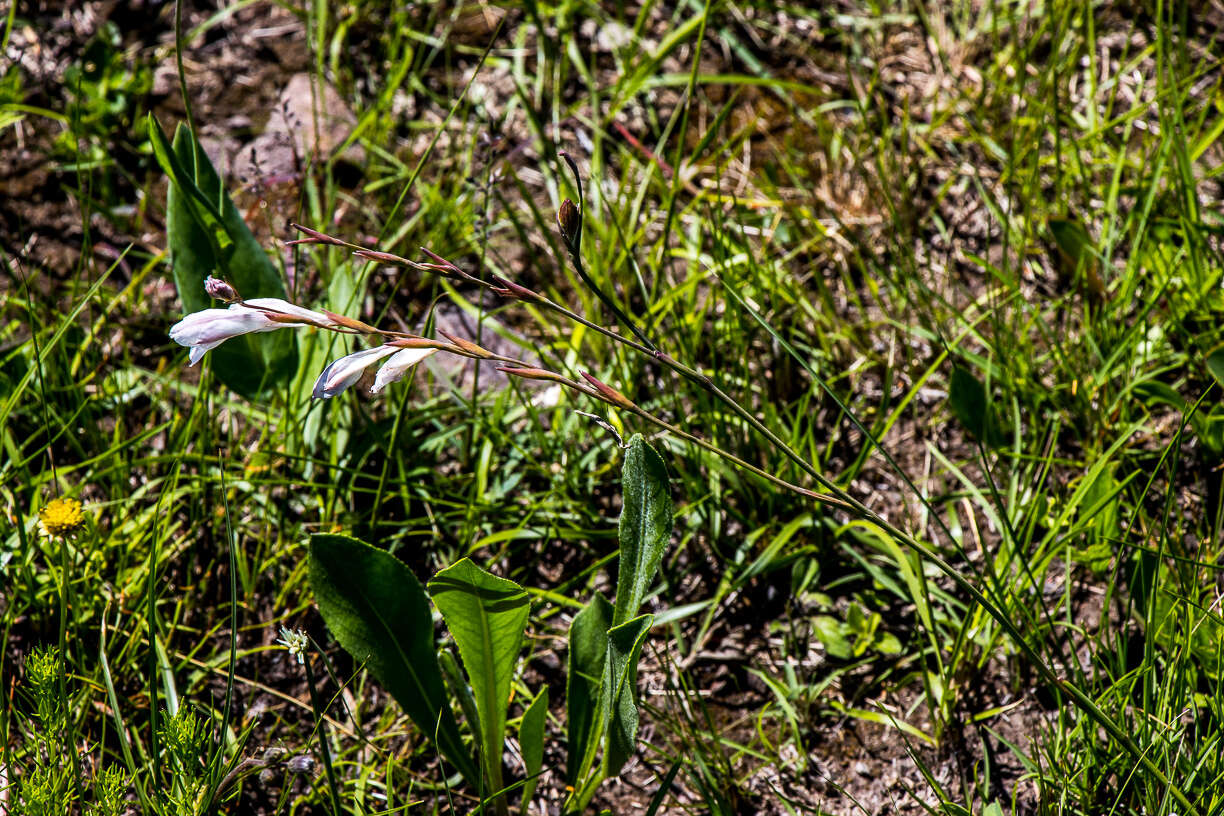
x: 206, y: 236
x: 588, y: 650
x: 378, y: 611
x: 531, y: 741
x: 645, y: 526
x: 620, y: 690
x: 486, y: 616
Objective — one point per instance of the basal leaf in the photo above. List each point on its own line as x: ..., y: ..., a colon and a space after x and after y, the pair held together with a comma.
x: 588, y: 651
x: 486, y: 616
x: 378, y: 611
x: 1215, y: 358
x: 531, y: 741
x: 207, y: 236
x: 645, y: 526
x: 620, y: 690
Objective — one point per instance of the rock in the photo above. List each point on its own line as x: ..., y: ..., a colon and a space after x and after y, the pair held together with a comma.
x: 309, y: 123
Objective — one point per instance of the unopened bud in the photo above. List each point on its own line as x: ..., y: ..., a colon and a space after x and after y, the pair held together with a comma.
x: 439, y: 263
x: 350, y: 323
x: 302, y: 764
x: 220, y: 290
x: 313, y: 237
x: 274, y: 754
x: 507, y: 288
x: 467, y: 347
x: 607, y: 392
x: 535, y: 374
x: 381, y: 257
x: 418, y: 343
x: 569, y: 219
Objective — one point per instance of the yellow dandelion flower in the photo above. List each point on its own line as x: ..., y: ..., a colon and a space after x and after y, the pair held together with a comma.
x: 61, y: 518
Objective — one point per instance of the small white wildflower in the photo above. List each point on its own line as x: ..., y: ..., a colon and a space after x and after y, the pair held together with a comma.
x: 394, y: 369
x: 296, y: 642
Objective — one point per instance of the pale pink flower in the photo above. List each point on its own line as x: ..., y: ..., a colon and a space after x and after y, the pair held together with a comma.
x: 343, y: 373
x: 394, y: 369
x: 209, y: 328
x: 306, y: 316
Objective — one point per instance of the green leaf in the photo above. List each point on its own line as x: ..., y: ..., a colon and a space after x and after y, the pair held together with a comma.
x: 458, y: 686
x: 1152, y: 392
x: 531, y: 741
x: 1072, y: 240
x: 378, y: 611
x: 588, y: 651
x: 1215, y: 358
x: 486, y: 616
x: 620, y: 690
x: 645, y: 526
x: 207, y: 236
x: 832, y: 633
x: 971, y: 404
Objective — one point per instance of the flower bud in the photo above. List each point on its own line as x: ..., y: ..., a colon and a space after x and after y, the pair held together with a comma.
x: 350, y: 323
x: 569, y: 219
x: 510, y: 289
x: 313, y: 237
x: 607, y: 393
x: 220, y: 290
x: 302, y: 764
x: 467, y: 347
x: 381, y: 257
x: 528, y: 373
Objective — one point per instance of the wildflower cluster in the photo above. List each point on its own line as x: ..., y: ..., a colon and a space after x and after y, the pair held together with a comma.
x: 401, y: 351
x: 207, y: 329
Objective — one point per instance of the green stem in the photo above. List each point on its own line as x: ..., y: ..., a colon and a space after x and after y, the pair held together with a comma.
x: 735, y: 460
x: 69, y: 741
x: 321, y: 732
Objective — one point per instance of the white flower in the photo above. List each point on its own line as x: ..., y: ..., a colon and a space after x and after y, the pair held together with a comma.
x: 210, y: 328
x: 207, y: 329
x: 296, y: 642
x: 394, y: 369
x: 285, y: 307
x: 340, y: 375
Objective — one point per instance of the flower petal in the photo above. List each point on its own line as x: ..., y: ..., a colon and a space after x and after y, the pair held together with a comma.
x: 285, y: 307
x: 394, y: 369
x: 209, y: 328
x: 341, y: 374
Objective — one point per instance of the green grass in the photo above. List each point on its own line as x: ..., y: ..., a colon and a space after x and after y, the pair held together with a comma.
x: 983, y: 299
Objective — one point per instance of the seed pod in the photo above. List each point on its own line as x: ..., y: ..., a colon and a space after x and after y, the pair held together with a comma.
x: 569, y: 219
